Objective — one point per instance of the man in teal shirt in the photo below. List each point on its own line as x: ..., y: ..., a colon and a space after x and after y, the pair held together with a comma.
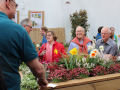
x: 16, y: 45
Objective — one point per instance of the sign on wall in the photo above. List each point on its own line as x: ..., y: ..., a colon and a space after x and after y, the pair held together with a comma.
x: 16, y: 17
x: 37, y: 18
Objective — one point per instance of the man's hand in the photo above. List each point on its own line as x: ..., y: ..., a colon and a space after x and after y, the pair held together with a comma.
x: 42, y: 83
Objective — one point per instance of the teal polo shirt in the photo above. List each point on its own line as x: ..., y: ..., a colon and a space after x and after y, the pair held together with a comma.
x: 15, y: 45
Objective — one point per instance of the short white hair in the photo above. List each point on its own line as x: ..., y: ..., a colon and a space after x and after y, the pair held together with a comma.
x: 25, y: 21
x: 80, y: 27
x: 109, y: 31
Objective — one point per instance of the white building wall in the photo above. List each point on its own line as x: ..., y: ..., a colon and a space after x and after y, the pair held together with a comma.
x: 100, y: 13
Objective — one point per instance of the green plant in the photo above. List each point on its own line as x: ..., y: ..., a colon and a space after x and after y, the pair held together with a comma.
x: 79, y: 19
x: 66, y: 44
x: 69, y: 62
x: 28, y: 81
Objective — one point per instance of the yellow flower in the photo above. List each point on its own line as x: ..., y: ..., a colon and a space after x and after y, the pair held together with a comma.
x: 92, y: 54
x: 56, y: 51
x: 73, y: 51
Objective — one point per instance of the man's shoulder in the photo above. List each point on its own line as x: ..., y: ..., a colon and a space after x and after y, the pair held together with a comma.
x: 112, y: 42
x: 99, y: 40
x: 11, y: 24
x: 17, y: 26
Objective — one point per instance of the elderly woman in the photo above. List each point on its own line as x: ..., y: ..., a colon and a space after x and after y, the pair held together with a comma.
x: 51, y: 50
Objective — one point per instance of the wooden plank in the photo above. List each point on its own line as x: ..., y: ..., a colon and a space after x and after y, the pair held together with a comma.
x: 104, y: 85
x: 86, y: 80
x: 18, y: 16
x: 108, y: 85
x: 81, y: 87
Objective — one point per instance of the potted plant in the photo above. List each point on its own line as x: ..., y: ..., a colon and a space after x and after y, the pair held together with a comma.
x: 79, y: 19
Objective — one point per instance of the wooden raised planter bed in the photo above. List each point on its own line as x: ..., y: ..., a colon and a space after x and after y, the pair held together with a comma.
x: 105, y: 82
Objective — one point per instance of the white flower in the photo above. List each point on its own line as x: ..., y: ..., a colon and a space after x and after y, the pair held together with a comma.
x: 37, y: 45
x: 92, y: 64
x: 90, y: 47
x: 101, y: 48
x: 118, y: 58
x: 83, y: 59
x: 96, y: 51
x: 98, y: 60
x: 84, y: 64
x: 78, y: 64
x: 87, y: 65
x: 93, y: 54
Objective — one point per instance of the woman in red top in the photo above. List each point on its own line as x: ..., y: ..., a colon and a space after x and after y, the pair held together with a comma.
x: 51, y: 50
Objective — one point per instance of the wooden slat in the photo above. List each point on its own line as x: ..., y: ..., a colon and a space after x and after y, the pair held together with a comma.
x: 103, y: 85
x: 37, y: 38
x: 87, y: 81
x: 108, y: 85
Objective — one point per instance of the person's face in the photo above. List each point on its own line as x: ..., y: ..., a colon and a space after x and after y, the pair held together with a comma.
x: 11, y: 5
x: 41, y: 32
x: 112, y: 30
x: 28, y: 27
x: 49, y: 37
x: 105, y: 34
x: 80, y: 33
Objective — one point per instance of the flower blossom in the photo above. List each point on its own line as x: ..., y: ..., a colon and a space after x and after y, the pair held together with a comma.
x: 73, y: 51
x: 90, y: 47
x: 37, y: 45
x: 92, y: 54
x: 101, y: 48
x: 56, y: 51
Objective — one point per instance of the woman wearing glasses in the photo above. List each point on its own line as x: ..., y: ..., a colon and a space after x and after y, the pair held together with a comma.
x: 52, y: 50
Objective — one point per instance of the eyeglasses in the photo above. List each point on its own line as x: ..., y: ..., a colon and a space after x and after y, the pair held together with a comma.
x: 16, y: 5
x: 48, y: 35
x: 104, y: 33
x: 29, y: 26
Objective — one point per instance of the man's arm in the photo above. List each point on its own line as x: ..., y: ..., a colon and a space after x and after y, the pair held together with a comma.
x: 38, y: 71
